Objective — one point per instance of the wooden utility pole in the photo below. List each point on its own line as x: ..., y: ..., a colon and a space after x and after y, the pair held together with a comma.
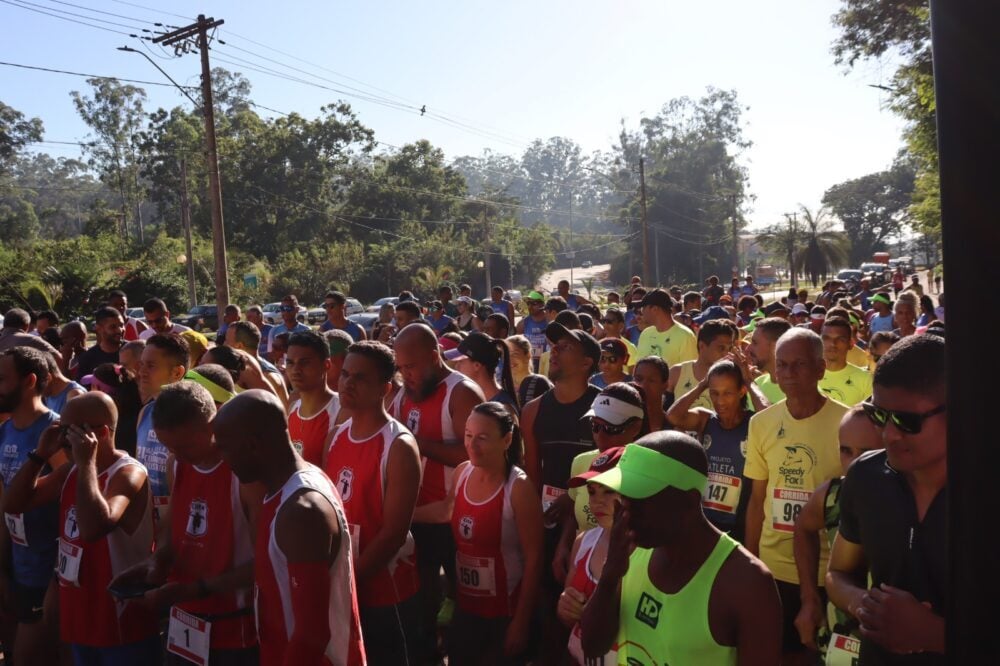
x: 736, y: 236
x: 645, y: 231
x: 486, y: 257
x: 186, y: 221
x: 793, y: 230
x: 199, y: 32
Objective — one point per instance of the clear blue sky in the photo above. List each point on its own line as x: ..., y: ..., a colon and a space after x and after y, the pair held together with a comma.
x: 523, y: 69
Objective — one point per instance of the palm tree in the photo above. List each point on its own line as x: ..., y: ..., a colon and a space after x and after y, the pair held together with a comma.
x: 428, y: 279
x: 823, y: 248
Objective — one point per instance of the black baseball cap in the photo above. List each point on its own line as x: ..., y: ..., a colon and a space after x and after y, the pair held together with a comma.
x: 556, y: 332
x: 660, y: 298
x: 477, y: 347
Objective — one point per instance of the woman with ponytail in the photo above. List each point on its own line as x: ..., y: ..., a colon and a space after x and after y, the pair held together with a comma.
x: 477, y: 357
x: 497, y: 524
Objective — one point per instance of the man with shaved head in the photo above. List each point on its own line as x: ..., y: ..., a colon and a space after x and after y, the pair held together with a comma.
x: 105, y: 526
x: 73, y: 342
x: 434, y: 404
x: 302, y: 556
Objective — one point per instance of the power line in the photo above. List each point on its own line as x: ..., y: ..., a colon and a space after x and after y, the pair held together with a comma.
x: 101, y: 11
x: 64, y: 18
x: 153, y: 9
x: 89, y: 76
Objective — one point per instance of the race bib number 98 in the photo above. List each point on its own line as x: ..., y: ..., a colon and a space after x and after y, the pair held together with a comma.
x: 785, y: 507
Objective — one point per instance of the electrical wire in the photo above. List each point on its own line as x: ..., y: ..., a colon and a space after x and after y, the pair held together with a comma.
x: 64, y: 18
x: 89, y: 76
x: 101, y: 11
x: 152, y: 9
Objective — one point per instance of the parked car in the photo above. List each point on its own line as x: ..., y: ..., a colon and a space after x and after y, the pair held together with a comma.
x: 272, y: 314
x: 199, y: 318
x: 315, y: 316
x: 353, y: 307
x: 587, y: 264
x: 136, y: 313
x: 365, y: 320
x: 377, y: 305
x: 850, y: 274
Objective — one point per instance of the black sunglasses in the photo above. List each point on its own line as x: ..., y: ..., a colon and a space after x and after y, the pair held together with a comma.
x: 908, y: 422
x: 608, y: 428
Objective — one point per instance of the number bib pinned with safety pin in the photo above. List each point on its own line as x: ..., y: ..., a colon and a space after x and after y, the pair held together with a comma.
x: 68, y: 562
x: 843, y: 650
x: 722, y: 492
x: 477, y: 575
x: 189, y: 636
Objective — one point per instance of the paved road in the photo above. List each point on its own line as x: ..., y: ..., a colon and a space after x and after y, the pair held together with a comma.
x: 549, y: 281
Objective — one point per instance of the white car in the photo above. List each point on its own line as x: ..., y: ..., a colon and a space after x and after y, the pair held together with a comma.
x: 272, y: 314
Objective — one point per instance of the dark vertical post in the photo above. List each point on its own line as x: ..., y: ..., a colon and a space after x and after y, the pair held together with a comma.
x: 186, y: 221
x: 967, y: 89
x: 645, y: 232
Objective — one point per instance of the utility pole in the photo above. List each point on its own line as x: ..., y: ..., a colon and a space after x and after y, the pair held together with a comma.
x: 736, y: 236
x: 645, y: 231
x: 486, y: 257
x: 186, y: 221
x: 572, y: 253
x: 199, y: 31
x: 793, y: 228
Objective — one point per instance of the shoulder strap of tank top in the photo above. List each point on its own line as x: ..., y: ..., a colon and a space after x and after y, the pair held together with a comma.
x: 124, y: 461
x: 710, y: 569
x: 587, y: 543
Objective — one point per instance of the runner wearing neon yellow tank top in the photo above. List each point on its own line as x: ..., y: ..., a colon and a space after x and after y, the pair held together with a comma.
x: 715, y: 340
x: 676, y: 591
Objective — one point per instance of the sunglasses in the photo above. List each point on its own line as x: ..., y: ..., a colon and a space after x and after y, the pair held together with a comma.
x: 330, y: 306
x: 609, y: 429
x: 288, y: 308
x: 908, y: 422
x: 609, y: 359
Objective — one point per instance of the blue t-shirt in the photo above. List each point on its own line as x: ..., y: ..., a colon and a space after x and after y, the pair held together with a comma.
x: 33, y: 563
x: 881, y: 323
x: 572, y: 302
x: 281, y: 328
x: 152, y: 453
x: 352, y: 329
x: 57, y: 402
x: 440, y: 325
x: 597, y: 379
x: 265, y: 339
x: 499, y: 307
x: 535, y: 332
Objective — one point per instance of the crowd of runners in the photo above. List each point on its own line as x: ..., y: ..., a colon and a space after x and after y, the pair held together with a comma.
x: 676, y: 478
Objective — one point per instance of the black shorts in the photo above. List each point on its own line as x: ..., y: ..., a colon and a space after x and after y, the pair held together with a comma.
x: 29, y: 602
x: 791, y: 604
x: 475, y: 640
x: 435, y: 547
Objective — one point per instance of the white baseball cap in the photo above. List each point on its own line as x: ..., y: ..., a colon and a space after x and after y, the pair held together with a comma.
x: 613, y: 410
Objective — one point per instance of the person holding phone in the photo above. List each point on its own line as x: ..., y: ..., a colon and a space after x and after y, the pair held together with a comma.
x: 105, y: 526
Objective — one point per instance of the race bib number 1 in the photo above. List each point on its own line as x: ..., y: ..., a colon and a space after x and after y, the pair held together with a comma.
x: 15, y: 525
x: 785, y: 507
x: 68, y: 563
x: 722, y: 493
x: 843, y: 651
x: 188, y: 636
x: 476, y: 575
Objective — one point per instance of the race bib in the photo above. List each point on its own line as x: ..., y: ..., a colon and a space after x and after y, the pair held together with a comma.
x: 843, y: 650
x: 15, y: 526
x: 476, y: 575
x: 355, y: 542
x: 68, y: 563
x: 188, y: 636
x: 722, y: 492
x: 785, y: 507
x: 576, y: 651
x: 549, y: 495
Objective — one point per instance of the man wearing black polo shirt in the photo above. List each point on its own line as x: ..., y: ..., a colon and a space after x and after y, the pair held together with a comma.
x: 903, y: 545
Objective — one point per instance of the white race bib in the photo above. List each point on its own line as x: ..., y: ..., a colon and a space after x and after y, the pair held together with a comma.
x: 68, y: 562
x: 843, y: 650
x: 785, y: 507
x: 188, y: 636
x: 476, y: 575
x: 15, y: 526
x: 549, y: 495
x: 722, y: 492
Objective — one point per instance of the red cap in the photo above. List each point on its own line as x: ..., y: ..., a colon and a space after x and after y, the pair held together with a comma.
x: 604, y: 461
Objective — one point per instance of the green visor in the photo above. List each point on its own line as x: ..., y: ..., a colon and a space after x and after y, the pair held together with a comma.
x: 643, y: 472
x: 219, y: 394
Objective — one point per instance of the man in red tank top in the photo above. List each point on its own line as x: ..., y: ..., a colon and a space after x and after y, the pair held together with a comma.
x: 374, y: 463
x: 133, y: 327
x: 305, y: 600
x: 105, y: 526
x: 314, y: 415
x: 434, y: 405
x: 202, y: 573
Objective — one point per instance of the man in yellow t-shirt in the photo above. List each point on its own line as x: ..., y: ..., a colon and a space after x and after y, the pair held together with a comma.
x: 842, y: 381
x: 792, y: 448
x: 761, y: 352
x: 673, y: 342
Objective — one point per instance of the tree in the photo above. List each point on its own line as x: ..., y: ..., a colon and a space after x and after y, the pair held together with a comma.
x: 15, y: 132
x: 872, y: 208
x: 823, y: 248
x: 115, y: 114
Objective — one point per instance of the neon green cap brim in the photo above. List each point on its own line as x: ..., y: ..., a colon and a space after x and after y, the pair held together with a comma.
x: 643, y: 472
x: 218, y: 393
x: 535, y: 296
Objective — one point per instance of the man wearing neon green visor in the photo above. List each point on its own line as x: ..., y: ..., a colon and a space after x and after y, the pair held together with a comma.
x: 680, y: 591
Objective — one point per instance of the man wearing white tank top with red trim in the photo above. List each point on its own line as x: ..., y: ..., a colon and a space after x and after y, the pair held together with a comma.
x: 304, y: 594
x: 202, y: 574
x: 105, y: 526
x: 374, y: 463
x: 434, y: 405
x: 314, y: 415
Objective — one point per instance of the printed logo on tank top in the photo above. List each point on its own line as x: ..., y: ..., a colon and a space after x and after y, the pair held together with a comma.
x: 413, y: 420
x: 465, y: 526
x: 345, y: 483
x: 10, y: 450
x: 70, y: 527
x: 197, y: 524
x: 706, y: 441
x: 297, y: 445
x: 743, y: 448
x: 799, y: 460
x: 648, y: 610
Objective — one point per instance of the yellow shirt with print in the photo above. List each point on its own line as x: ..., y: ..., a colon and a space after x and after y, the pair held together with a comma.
x: 851, y: 386
x: 675, y: 345
x: 770, y: 388
x: 633, y: 354
x: 793, y: 456
x: 858, y: 356
x: 581, y: 498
